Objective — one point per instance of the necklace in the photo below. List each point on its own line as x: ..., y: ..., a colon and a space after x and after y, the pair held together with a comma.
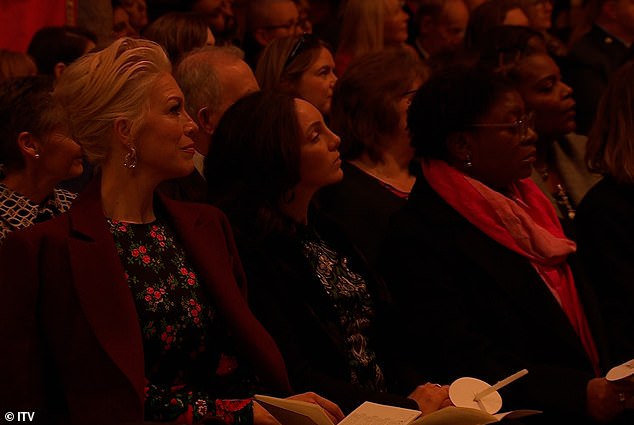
x: 557, y: 190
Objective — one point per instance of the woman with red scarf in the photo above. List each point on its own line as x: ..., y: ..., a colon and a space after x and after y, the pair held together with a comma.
x: 479, y: 260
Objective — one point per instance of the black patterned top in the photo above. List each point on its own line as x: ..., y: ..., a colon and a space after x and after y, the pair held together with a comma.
x: 190, y: 362
x: 352, y: 302
x: 17, y: 211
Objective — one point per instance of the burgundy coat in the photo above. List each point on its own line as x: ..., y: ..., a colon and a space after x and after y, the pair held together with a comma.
x: 70, y: 336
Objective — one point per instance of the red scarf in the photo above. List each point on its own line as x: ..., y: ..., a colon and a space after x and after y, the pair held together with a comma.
x: 525, y: 223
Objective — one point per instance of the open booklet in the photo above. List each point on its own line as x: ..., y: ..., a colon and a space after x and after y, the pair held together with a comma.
x: 294, y: 412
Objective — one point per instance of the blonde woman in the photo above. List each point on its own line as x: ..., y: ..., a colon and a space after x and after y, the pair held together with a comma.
x: 369, y: 26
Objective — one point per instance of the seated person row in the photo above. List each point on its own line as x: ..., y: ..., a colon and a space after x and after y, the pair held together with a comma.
x: 479, y: 250
x: 559, y: 169
x: 130, y: 306
x: 307, y: 284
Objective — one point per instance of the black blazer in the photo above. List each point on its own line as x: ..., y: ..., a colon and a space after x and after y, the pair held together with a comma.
x: 605, y: 228
x: 478, y: 309
x: 289, y: 300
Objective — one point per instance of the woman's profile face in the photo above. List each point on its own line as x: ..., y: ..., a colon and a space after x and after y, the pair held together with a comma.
x: 316, y: 84
x: 163, y: 144
x: 60, y: 157
x: 394, y: 23
x: 499, y: 152
x: 320, y: 164
x: 548, y: 96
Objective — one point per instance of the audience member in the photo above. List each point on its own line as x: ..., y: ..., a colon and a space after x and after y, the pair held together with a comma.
x: 136, y: 11
x: 369, y: 26
x: 604, y: 219
x: 307, y: 285
x: 490, y: 14
x: 35, y: 154
x: 220, y: 17
x: 441, y: 27
x: 303, y: 7
x: 597, y: 54
x: 540, y: 18
x: 266, y: 21
x: 370, y: 113
x: 212, y: 79
x: 15, y: 64
x: 559, y: 169
x: 121, y: 26
x: 54, y: 48
x: 179, y: 33
x: 479, y: 247
x: 138, y: 298
x: 299, y: 66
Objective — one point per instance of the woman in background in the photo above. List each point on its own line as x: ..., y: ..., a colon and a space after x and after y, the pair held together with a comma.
x: 299, y: 66
x: 36, y: 154
x: 180, y: 33
x: 370, y: 114
x: 369, y: 26
x: 604, y: 218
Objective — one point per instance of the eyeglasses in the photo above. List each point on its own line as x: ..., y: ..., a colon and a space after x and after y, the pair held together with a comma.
x: 520, y: 127
x: 301, y: 43
x: 288, y: 26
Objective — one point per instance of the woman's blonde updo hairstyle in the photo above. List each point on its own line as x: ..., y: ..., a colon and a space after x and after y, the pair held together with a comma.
x: 103, y: 86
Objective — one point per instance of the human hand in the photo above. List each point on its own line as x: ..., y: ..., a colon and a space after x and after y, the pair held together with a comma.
x: 331, y: 409
x: 262, y: 417
x: 431, y: 397
x: 605, y: 399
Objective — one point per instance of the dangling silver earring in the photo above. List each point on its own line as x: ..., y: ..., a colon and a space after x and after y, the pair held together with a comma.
x: 37, y: 156
x: 468, y: 162
x: 129, y: 161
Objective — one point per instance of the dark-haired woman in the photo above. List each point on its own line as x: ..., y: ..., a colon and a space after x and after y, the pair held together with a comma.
x: 307, y: 284
x: 479, y: 255
x: 36, y: 154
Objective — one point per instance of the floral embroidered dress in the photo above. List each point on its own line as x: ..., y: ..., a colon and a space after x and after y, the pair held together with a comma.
x: 189, y: 358
x: 17, y: 211
x: 349, y: 294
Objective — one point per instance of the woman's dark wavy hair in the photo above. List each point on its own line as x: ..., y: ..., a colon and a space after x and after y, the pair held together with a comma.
x: 254, y: 162
x: 451, y: 101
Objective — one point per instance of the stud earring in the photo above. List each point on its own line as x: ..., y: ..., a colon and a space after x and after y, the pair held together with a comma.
x: 37, y: 156
x: 468, y: 162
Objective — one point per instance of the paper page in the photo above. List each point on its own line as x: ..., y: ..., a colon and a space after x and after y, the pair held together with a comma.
x: 516, y: 414
x: 456, y: 415
x: 379, y: 414
x: 293, y: 412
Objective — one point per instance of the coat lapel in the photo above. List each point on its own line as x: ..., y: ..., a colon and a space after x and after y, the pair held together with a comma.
x: 104, y: 295
x: 209, y: 244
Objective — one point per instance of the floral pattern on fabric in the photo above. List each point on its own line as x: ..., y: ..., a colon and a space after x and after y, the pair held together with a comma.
x: 17, y: 211
x: 352, y: 302
x: 189, y: 357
